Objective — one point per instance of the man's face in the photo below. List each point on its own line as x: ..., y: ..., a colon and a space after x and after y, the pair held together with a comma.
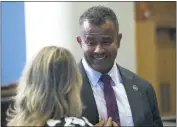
x: 99, y: 44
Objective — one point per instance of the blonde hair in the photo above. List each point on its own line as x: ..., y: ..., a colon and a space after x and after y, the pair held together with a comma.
x: 48, y: 88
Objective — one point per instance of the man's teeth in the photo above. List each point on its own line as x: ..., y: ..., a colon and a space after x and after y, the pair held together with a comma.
x: 99, y: 57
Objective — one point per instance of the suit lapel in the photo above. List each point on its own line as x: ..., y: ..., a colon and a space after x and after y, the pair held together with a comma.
x: 133, y: 94
x: 90, y: 109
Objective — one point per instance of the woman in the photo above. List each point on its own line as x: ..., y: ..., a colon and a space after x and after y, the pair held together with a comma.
x: 48, y: 93
x: 48, y: 89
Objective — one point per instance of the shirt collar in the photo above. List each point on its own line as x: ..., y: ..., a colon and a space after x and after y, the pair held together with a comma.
x: 94, y: 76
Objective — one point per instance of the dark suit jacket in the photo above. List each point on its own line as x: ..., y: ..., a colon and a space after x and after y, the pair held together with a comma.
x: 142, y: 102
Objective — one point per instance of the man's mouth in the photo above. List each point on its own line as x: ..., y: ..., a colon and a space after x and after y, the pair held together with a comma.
x: 100, y: 57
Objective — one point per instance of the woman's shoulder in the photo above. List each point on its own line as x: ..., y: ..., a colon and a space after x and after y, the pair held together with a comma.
x: 69, y: 121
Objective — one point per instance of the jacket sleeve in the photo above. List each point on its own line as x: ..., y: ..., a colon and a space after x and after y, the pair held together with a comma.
x: 154, y: 107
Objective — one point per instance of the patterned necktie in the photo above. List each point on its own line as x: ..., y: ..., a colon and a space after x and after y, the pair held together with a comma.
x: 110, y: 98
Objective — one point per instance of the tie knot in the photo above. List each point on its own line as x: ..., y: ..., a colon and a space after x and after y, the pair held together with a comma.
x: 105, y: 78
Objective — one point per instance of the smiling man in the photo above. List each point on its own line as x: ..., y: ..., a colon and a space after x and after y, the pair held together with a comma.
x: 100, y: 44
x: 108, y: 89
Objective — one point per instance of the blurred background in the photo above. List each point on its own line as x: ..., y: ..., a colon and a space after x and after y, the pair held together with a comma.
x: 148, y: 45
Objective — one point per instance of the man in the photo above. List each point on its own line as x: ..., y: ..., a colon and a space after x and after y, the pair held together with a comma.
x: 110, y: 90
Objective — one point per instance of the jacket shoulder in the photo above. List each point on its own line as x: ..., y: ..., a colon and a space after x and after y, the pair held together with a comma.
x: 137, y: 79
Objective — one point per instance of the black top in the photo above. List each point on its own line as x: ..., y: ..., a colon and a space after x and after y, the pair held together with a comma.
x: 69, y: 121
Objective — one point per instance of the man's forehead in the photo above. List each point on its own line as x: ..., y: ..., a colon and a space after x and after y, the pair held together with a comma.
x: 91, y: 28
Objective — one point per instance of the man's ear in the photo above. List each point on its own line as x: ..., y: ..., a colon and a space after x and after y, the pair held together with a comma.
x: 119, y: 37
x: 79, y: 40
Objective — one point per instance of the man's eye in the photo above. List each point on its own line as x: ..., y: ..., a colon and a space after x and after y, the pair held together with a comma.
x: 107, y: 41
x: 90, y: 43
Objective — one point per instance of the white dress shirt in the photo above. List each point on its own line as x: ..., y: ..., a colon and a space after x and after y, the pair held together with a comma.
x: 120, y: 93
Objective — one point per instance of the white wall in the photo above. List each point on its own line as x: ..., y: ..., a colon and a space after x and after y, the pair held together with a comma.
x: 56, y: 23
x: 47, y: 23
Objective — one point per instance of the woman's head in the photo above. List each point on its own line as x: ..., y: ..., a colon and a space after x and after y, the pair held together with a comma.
x: 49, y: 88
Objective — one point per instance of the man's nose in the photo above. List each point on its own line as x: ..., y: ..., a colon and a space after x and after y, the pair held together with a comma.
x: 99, y: 49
